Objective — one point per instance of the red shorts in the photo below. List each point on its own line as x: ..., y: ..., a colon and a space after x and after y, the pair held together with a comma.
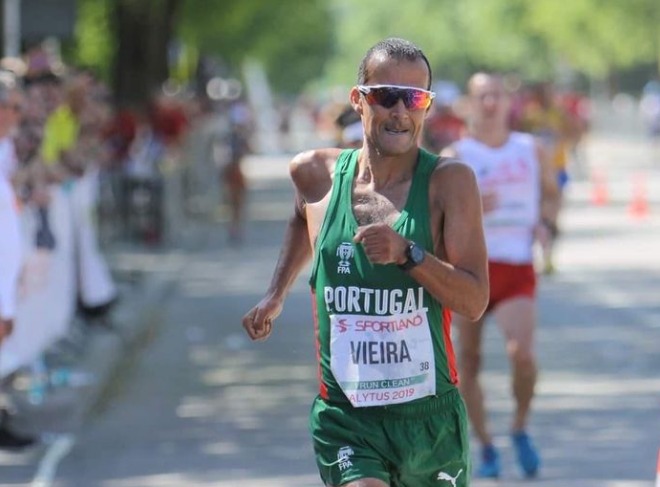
x: 509, y: 281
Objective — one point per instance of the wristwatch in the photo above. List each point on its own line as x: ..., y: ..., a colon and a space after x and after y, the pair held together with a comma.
x: 415, y: 255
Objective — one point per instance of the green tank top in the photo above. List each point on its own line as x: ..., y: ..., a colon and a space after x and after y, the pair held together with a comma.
x: 353, y: 295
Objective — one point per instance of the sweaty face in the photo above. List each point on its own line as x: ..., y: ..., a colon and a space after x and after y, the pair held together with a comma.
x: 396, y: 130
x: 489, y: 101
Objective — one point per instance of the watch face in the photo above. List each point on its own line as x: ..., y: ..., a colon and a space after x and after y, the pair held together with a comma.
x: 416, y: 253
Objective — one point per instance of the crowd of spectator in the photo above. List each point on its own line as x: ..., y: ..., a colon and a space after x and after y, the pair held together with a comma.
x: 64, y: 142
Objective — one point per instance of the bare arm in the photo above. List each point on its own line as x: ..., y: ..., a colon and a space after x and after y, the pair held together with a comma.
x: 459, y: 278
x: 308, y: 170
x: 549, y: 186
x: 295, y: 253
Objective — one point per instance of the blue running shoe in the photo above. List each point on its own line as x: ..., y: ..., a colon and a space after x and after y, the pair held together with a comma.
x: 490, y: 463
x: 528, y: 457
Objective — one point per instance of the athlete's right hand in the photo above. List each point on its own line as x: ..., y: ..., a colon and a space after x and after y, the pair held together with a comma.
x: 258, y: 322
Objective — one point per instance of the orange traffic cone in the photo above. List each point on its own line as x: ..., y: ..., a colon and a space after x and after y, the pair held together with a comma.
x: 639, y: 205
x: 599, y: 194
x: 657, y: 475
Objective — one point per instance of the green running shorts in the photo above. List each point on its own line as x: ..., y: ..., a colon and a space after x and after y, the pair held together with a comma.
x: 424, y: 443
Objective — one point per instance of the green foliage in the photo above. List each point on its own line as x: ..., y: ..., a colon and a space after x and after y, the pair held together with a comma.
x: 93, y: 41
x: 457, y: 36
x: 300, y: 42
x: 292, y: 39
x: 530, y: 37
x: 597, y: 36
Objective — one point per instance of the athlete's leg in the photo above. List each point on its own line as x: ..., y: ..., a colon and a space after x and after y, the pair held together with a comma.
x: 343, y: 455
x: 552, y: 210
x: 516, y: 317
x: 470, y: 353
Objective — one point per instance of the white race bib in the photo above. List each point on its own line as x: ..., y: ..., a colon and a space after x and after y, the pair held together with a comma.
x: 381, y: 360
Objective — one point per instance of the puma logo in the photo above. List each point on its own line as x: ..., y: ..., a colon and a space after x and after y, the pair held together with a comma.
x: 449, y: 478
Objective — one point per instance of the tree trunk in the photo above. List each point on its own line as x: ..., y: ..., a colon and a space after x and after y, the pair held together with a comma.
x: 144, y: 29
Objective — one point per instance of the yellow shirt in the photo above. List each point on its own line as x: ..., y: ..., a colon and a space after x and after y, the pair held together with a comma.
x: 60, y: 134
x: 550, y: 125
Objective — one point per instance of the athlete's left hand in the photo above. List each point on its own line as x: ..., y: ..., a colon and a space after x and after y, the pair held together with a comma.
x: 382, y: 244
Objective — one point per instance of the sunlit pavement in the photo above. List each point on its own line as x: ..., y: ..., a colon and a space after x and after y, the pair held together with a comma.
x: 202, y: 406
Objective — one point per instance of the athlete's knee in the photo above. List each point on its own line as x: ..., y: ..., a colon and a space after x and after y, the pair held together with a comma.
x: 521, y: 357
x: 470, y: 363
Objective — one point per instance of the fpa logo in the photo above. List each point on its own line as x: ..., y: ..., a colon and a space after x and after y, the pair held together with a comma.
x: 345, y: 252
x: 344, y: 455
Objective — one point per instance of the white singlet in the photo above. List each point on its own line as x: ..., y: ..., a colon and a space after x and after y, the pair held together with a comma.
x: 512, y: 173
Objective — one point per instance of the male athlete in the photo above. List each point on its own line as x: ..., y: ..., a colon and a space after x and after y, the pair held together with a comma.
x: 396, y: 238
x: 517, y: 185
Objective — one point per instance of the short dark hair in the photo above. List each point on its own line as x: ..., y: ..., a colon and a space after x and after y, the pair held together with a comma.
x: 394, y: 48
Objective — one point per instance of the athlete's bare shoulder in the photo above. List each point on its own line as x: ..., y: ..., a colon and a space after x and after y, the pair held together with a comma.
x: 452, y: 179
x: 311, y: 172
x: 312, y: 161
x: 451, y: 170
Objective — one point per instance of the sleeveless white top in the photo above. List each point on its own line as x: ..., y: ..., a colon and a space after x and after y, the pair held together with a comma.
x: 512, y: 172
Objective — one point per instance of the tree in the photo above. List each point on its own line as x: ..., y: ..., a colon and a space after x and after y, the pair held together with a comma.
x: 299, y: 42
x: 457, y: 37
x: 133, y: 41
x: 531, y: 37
x: 292, y: 39
x: 143, y: 30
x: 93, y: 36
x: 127, y: 42
x: 598, y: 36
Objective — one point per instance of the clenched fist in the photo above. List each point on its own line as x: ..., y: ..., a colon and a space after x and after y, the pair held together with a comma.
x: 382, y: 244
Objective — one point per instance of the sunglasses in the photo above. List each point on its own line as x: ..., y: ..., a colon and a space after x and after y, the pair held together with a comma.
x: 388, y: 95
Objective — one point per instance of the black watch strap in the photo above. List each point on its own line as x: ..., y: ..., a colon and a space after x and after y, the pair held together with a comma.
x: 414, y: 256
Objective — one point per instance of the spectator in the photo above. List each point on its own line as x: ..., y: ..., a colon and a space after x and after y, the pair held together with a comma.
x: 10, y: 243
x: 544, y: 118
x: 233, y: 176
x: 350, y: 130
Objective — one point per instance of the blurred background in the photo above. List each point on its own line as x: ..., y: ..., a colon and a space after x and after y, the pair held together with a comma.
x: 157, y: 226
x: 292, y: 54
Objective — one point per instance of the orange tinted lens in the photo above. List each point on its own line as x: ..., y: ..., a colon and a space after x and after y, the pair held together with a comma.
x: 387, y: 97
x: 418, y: 100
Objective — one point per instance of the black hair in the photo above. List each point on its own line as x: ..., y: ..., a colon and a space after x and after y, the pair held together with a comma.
x: 394, y: 48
